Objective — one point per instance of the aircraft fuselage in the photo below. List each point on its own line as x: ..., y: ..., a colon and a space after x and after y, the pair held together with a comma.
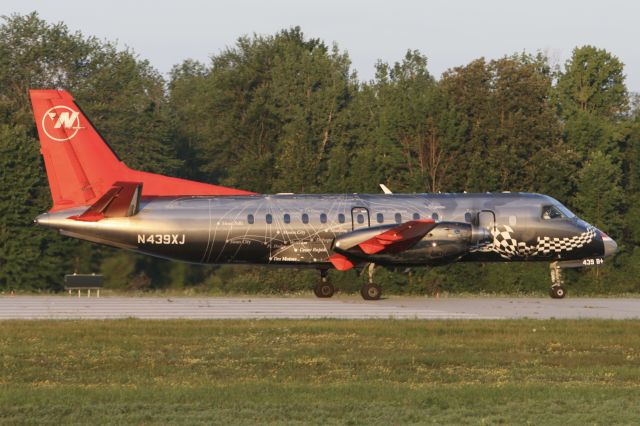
x: 300, y: 230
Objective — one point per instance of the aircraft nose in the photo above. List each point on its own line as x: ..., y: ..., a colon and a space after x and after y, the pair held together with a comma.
x: 610, y: 246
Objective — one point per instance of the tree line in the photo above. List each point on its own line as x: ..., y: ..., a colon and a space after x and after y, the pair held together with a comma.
x: 287, y: 113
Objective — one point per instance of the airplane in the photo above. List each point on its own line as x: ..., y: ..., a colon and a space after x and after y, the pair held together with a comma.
x: 97, y: 198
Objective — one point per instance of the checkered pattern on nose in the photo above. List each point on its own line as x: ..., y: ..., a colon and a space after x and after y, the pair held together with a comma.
x: 547, y: 245
x: 507, y: 246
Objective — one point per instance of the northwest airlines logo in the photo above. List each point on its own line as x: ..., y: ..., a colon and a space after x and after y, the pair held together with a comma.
x: 61, y: 117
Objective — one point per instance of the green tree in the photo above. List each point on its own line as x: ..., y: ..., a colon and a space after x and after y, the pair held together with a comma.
x: 508, y: 117
x: 593, y: 102
x: 599, y: 198
x: 267, y: 111
x: 592, y: 82
x: 403, y: 131
x: 631, y: 180
x: 124, y: 97
x: 19, y: 182
x: 416, y: 132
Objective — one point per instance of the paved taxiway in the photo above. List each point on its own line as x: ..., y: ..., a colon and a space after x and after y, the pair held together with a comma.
x: 71, y: 307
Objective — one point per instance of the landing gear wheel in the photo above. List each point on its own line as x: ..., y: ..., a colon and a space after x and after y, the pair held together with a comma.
x: 371, y: 292
x: 324, y: 290
x: 557, y: 292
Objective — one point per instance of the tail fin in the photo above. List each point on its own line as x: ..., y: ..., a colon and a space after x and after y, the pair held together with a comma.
x: 81, y: 166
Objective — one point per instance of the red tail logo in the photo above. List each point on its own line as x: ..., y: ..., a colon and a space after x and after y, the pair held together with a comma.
x: 81, y: 166
x: 61, y: 123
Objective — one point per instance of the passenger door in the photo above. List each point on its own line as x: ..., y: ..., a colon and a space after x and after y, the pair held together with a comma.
x: 359, y: 218
x: 487, y: 220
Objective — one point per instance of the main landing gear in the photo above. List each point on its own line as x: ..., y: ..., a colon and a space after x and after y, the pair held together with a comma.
x: 371, y: 291
x: 324, y: 288
x: 557, y: 291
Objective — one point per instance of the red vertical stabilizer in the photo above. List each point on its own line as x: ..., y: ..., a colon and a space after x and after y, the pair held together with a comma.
x: 81, y: 167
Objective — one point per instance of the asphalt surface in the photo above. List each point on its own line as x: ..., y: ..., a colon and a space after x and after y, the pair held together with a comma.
x: 72, y: 307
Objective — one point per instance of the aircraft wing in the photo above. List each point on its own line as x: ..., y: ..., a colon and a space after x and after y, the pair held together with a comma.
x: 385, y: 240
x: 399, y: 238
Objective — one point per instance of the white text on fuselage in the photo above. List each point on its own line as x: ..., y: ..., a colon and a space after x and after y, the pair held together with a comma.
x: 161, y: 239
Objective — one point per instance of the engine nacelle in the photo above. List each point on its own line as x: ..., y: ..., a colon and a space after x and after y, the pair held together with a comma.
x: 446, y: 242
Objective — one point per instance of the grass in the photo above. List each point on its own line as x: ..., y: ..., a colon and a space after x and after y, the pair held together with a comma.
x: 320, y: 371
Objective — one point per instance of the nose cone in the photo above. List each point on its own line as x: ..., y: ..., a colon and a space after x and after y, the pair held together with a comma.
x: 610, y: 246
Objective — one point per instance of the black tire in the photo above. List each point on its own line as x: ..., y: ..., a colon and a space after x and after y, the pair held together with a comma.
x: 324, y: 290
x: 557, y: 292
x: 371, y: 292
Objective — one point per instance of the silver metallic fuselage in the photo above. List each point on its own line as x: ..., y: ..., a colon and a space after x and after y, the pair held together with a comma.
x: 299, y: 230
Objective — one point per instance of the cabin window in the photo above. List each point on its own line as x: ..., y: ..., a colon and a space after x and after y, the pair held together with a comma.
x: 341, y: 218
x: 287, y: 218
x: 269, y: 218
x: 250, y: 219
x: 305, y: 218
x: 467, y: 217
x: 398, y: 218
x: 435, y: 216
x: 416, y: 216
x: 323, y: 218
x: 380, y: 217
x: 360, y: 218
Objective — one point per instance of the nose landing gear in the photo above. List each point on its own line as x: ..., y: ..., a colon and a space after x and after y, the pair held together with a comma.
x: 557, y: 291
x: 324, y: 288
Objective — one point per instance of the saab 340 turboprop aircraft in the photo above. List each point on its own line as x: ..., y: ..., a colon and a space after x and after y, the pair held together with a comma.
x: 97, y: 198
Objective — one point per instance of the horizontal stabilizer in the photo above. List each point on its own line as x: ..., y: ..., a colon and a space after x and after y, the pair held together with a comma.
x: 399, y: 238
x: 122, y: 200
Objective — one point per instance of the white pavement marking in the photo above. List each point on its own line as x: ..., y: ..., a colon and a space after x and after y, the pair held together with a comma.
x: 71, y: 307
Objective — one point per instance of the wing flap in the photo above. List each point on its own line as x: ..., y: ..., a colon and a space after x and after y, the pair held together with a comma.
x: 399, y: 238
x: 340, y: 262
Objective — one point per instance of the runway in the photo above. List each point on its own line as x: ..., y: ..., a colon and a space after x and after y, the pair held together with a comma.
x: 344, y: 307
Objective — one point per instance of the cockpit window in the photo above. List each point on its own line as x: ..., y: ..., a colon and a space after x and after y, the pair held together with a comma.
x: 565, y: 211
x: 556, y: 212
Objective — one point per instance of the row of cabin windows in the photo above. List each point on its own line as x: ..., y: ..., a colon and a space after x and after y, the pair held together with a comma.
x: 341, y: 218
